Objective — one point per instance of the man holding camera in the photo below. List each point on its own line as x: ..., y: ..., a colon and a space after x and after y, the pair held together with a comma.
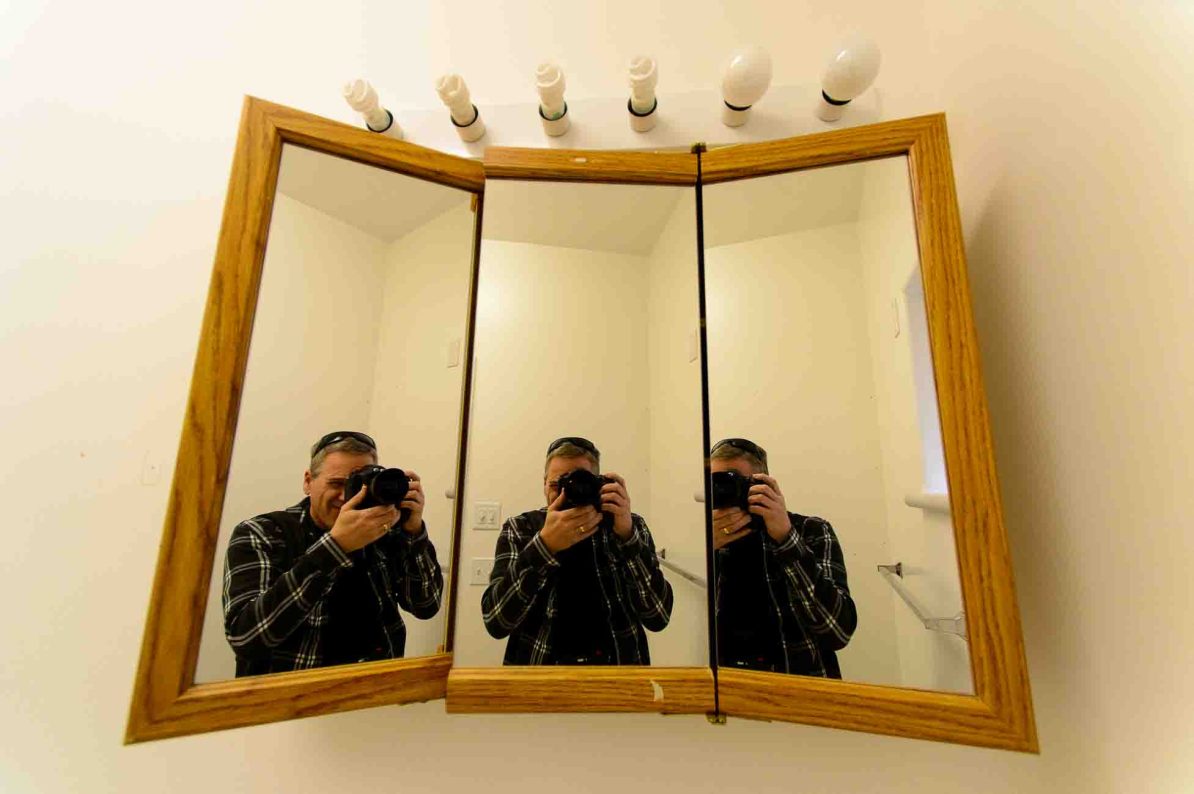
x: 783, y: 604
x: 578, y: 581
x: 321, y: 583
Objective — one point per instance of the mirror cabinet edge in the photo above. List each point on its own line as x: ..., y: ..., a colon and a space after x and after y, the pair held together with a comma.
x: 165, y: 700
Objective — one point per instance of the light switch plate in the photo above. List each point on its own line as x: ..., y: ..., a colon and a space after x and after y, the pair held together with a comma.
x: 478, y: 570
x: 487, y: 515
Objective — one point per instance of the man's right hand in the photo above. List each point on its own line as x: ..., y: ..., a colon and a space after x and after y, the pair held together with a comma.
x: 729, y: 524
x: 565, y: 528
x: 356, y: 529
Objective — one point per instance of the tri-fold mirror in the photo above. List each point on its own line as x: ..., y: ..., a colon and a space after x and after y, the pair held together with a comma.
x: 683, y: 432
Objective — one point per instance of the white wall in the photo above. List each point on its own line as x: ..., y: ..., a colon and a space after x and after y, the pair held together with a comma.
x: 790, y: 369
x: 317, y: 313
x: 1070, y: 136
x: 922, y: 540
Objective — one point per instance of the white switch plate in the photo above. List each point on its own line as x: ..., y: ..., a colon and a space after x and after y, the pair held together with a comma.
x: 487, y: 515
x: 478, y: 570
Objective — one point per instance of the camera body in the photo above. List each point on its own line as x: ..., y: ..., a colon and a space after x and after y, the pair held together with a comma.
x: 581, y: 487
x: 386, y: 486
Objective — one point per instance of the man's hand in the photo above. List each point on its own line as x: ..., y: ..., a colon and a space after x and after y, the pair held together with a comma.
x: 565, y: 528
x: 729, y: 524
x: 616, y: 501
x: 356, y: 529
x: 413, y: 502
x: 767, y: 500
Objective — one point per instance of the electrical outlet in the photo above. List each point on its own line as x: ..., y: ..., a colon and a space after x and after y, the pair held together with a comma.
x: 487, y: 515
x: 479, y: 570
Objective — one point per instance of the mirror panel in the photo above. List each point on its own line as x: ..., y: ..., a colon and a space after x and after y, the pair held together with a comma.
x: 360, y: 326
x: 586, y: 323
x: 818, y: 352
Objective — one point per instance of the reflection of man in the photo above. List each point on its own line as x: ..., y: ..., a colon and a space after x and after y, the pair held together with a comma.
x: 320, y: 583
x: 782, y: 600
x: 569, y: 586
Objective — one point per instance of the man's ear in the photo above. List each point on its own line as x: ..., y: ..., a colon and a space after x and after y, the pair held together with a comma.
x: 307, y: 482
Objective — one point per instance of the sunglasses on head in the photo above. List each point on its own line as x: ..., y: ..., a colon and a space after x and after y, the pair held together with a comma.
x: 340, y: 435
x: 575, y: 441
x: 742, y: 445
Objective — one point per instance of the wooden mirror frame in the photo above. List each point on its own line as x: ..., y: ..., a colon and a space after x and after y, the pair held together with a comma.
x: 166, y: 700
x: 999, y: 714
x: 668, y: 690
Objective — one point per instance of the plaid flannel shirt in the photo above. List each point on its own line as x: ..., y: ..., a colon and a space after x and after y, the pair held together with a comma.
x: 520, y: 601
x: 280, y: 568
x: 806, y: 577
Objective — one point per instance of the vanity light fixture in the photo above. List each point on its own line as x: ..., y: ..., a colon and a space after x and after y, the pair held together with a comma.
x: 644, y: 75
x: 362, y: 98
x: 747, y: 77
x: 852, y: 68
x: 465, y: 116
x: 553, y: 110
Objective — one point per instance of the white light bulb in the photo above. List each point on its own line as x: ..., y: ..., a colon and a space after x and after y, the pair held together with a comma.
x: 747, y: 77
x: 362, y: 98
x: 644, y: 76
x: 465, y: 116
x: 553, y: 110
x: 852, y: 68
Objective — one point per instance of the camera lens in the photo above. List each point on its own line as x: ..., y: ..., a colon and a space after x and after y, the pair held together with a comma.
x: 390, y: 486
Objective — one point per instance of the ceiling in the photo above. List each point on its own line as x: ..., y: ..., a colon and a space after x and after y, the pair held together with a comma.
x: 749, y: 209
x: 378, y: 202
x: 625, y: 219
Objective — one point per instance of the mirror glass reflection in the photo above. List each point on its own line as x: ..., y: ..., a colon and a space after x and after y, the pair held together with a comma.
x: 336, y: 524
x: 830, y: 469
x: 584, y: 443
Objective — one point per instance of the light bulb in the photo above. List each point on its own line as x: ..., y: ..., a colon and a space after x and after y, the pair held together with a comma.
x: 362, y: 98
x: 852, y: 68
x: 465, y: 116
x: 553, y: 110
x: 644, y: 75
x: 747, y: 77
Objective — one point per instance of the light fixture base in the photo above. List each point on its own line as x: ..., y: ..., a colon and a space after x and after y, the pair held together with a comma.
x: 642, y: 122
x: 734, y: 117
x: 558, y: 126
x: 472, y: 131
x: 829, y: 111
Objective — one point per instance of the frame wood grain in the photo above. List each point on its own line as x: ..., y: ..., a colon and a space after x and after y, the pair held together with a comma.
x: 668, y: 690
x: 671, y: 690
x: 166, y: 701
x: 999, y: 714
x: 575, y: 165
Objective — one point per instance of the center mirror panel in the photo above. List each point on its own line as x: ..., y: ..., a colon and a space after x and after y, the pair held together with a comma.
x: 354, y: 361
x: 582, y: 538
x: 830, y: 512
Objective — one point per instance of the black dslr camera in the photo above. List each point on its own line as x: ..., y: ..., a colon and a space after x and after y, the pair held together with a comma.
x: 580, y: 488
x: 386, y: 486
x: 731, y: 489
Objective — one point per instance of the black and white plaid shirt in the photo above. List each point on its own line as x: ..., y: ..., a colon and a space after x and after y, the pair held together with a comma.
x: 279, y: 571
x: 521, y: 600
x: 809, y: 612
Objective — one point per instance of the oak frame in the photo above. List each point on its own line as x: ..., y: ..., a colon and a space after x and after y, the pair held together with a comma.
x: 1000, y: 713
x: 667, y: 690
x: 166, y: 701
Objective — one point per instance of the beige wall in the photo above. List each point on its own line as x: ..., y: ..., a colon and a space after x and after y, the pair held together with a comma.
x: 922, y: 540
x: 790, y: 368
x: 317, y: 313
x: 415, y: 406
x: 1070, y: 134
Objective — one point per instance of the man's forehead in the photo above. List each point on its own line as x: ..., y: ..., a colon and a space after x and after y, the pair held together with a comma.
x: 741, y: 465
x: 559, y: 466
x: 341, y: 464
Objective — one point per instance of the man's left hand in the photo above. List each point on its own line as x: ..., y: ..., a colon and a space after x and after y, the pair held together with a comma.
x: 616, y: 501
x: 414, y: 503
x: 767, y: 501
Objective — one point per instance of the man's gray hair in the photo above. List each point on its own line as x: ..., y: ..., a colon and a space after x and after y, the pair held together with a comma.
x: 730, y: 452
x: 570, y: 450
x: 349, y: 445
